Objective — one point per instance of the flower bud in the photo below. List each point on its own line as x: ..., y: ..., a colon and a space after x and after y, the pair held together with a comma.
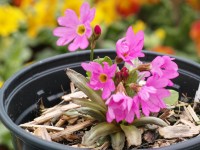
x: 118, y: 60
x: 144, y: 67
x: 135, y: 87
x: 97, y: 29
x: 120, y: 88
x: 124, y: 73
x: 97, y: 32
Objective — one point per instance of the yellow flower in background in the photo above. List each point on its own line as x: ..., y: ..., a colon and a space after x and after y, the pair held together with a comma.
x: 24, y: 4
x: 1, y: 83
x: 10, y: 19
x: 144, y: 2
x: 70, y: 4
x: 105, y: 12
x: 40, y: 14
x: 160, y: 33
x: 138, y: 26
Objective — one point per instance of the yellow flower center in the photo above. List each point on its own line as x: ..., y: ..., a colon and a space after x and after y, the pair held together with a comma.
x: 103, y: 77
x: 81, y: 29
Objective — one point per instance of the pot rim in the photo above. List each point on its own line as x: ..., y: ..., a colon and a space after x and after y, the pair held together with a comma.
x: 35, y: 140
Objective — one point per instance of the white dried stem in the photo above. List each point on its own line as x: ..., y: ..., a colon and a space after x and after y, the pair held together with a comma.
x: 41, y: 126
x: 72, y: 129
x: 55, y: 113
x: 42, y: 133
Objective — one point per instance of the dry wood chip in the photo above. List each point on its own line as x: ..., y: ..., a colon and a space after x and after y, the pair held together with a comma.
x: 188, y: 113
x: 71, y: 137
x: 55, y: 113
x: 42, y: 133
x: 72, y: 120
x: 60, y: 122
x: 178, y: 131
x: 41, y: 126
x: 78, y: 94
x: 165, y: 114
x: 193, y: 114
x: 163, y: 142
x: 72, y: 129
x: 149, y: 136
x: 189, y: 123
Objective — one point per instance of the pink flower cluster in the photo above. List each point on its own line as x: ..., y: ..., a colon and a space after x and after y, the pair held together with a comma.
x: 145, y: 98
x: 148, y: 97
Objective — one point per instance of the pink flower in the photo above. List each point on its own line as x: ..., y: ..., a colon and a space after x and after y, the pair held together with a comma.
x: 101, y: 77
x: 130, y: 47
x: 121, y: 107
x: 73, y: 30
x: 164, y: 67
x: 150, y: 96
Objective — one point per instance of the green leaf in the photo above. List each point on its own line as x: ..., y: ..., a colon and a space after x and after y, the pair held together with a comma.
x: 90, y: 104
x: 173, y: 98
x: 100, y: 130
x: 5, y: 137
x: 133, y: 135
x: 118, y: 140
x: 130, y: 91
x: 132, y: 78
x: 149, y: 120
x: 81, y: 82
x: 98, y: 115
x: 105, y: 59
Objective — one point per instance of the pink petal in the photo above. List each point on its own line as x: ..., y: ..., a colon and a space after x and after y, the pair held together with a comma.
x: 138, y: 42
x: 105, y: 93
x: 87, y: 66
x: 110, y: 115
x: 129, y: 117
x: 88, y: 32
x: 130, y: 37
x: 74, y: 45
x: 64, y: 32
x: 83, y: 42
x: 86, y: 13
x: 63, y: 41
x: 110, y: 85
x: 69, y: 20
x: 145, y: 108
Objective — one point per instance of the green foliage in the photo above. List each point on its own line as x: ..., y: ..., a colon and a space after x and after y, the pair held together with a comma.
x: 13, y: 54
x: 100, y: 130
x: 132, y: 78
x: 105, y: 59
x: 5, y: 137
x: 173, y: 98
x: 81, y: 82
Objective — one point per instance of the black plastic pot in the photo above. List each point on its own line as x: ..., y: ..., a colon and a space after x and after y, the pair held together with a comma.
x: 46, y: 79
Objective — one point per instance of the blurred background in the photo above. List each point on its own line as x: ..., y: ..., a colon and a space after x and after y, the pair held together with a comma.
x: 170, y: 26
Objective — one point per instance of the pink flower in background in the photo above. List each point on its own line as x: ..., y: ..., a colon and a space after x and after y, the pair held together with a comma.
x: 130, y: 47
x: 101, y: 77
x: 121, y: 107
x: 164, y: 67
x: 150, y: 96
x: 73, y: 30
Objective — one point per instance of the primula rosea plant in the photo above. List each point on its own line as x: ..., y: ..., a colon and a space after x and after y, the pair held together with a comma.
x: 123, y: 93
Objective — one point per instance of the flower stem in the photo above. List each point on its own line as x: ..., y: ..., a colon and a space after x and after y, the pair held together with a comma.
x: 92, y: 54
x: 92, y: 46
